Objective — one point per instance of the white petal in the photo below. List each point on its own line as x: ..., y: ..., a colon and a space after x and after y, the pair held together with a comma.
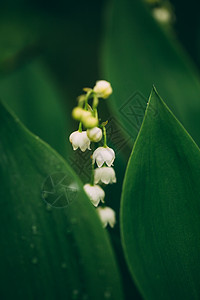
x: 95, y: 193
x: 97, y: 175
x: 110, y: 156
x: 103, y: 154
x: 74, y: 147
x: 112, y: 222
x: 105, y: 175
x: 104, y: 223
x: 76, y: 138
x: 73, y: 139
x: 99, y: 161
x: 98, y: 156
x: 80, y: 140
x: 95, y: 202
x: 106, y: 179
x: 83, y: 147
x: 107, y: 216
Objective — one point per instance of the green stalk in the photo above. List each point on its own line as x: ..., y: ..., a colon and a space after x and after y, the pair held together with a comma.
x: 104, y: 135
x: 80, y: 127
x: 92, y: 175
x: 87, y: 97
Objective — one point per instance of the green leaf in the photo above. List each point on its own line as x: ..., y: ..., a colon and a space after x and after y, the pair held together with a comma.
x: 137, y: 53
x: 32, y: 94
x: 55, y: 247
x: 160, y: 212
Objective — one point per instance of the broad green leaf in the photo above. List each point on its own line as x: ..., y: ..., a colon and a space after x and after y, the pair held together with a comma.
x: 32, y: 94
x: 138, y: 53
x: 55, y: 247
x: 160, y: 212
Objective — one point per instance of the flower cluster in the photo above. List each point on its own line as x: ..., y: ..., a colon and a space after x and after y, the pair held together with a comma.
x: 103, y: 157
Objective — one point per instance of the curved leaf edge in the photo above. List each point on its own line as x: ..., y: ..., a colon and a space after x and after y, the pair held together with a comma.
x: 151, y: 101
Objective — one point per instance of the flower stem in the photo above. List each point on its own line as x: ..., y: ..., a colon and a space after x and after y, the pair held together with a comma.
x: 94, y: 106
x: 104, y: 136
x: 95, y: 102
x: 86, y: 102
x: 87, y: 97
x: 92, y: 175
x: 80, y: 127
x: 95, y: 113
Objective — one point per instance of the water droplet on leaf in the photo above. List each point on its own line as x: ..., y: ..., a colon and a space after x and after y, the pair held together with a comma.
x: 64, y: 265
x: 34, y: 260
x: 107, y: 294
x: 73, y: 221
x: 34, y: 229
x: 69, y: 230
x: 48, y: 207
x: 75, y: 294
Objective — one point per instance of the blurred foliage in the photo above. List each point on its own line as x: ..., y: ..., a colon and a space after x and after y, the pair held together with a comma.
x: 31, y: 93
x: 137, y: 47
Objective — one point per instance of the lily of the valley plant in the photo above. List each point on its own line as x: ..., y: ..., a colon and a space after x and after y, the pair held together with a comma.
x: 91, y: 131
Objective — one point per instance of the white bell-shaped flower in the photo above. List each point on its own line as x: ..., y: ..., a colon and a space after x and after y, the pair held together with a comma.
x: 107, y: 216
x: 105, y: 175
x: 103, y: 155
x: 95, y: 193
x: 94, y: 134
x: 103, y: 89
x: 80, y: 140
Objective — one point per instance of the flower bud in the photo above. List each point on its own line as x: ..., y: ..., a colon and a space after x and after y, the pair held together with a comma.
x: 103, y: 89
x: 90, y: 122
x: 77, y: 113
x: 85, y: 114
x: 94, y: 134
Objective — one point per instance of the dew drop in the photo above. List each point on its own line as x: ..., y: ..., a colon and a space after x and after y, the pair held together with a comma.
x: 73, y: 221
x: 44, y: 195
x: 69, y: 230
x: 64, y: 265
x: 75, y: 294
x: 48, y: 207
x: 34, y: 260
x: 34, y: 229
x: 107, y: 294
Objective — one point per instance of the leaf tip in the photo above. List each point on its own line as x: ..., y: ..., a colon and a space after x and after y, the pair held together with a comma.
x: 154, y: 98
x: 154, y: 92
